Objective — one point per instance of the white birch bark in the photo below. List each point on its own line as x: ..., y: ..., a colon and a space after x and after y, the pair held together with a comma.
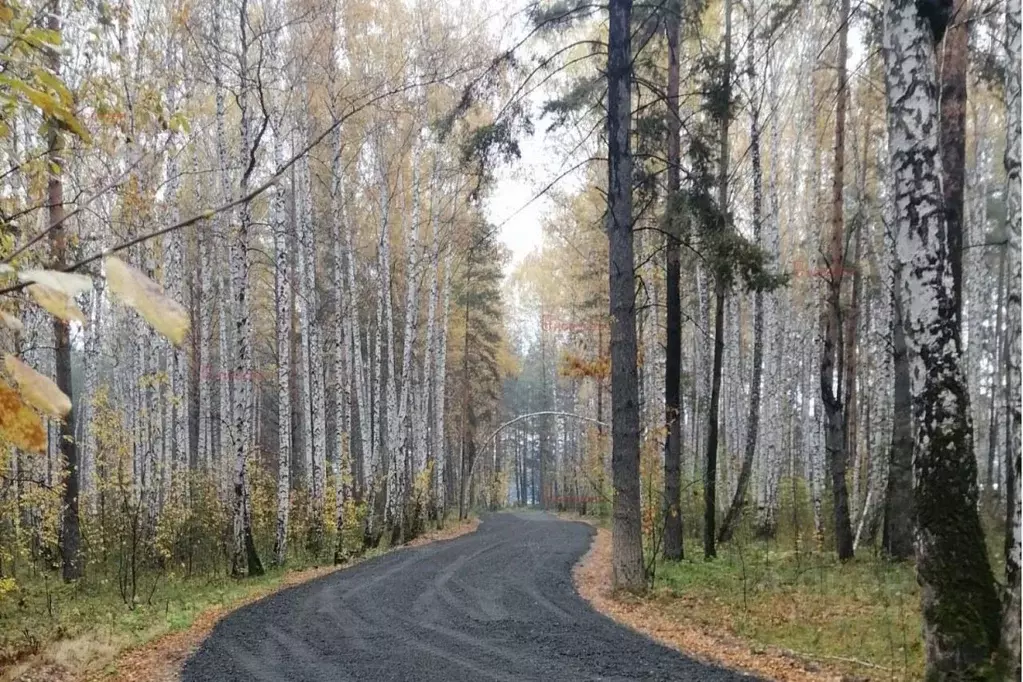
x: 305, y: 440
x: 386, y: 310
x: 317, y: 411
x: 175, y: 438
x: 402, y: 440
x: 425, y: 444
x: 283, y: 246
x: 225, y: 282
x: 1011, y: 622
x: 206, y: 293
x: 93, y: 346
x: 243, y: 558
x: 359, y: 365
x: 378, y: 465
x: 440, y: 379
x: 957, y: 587
x: 342, y: 361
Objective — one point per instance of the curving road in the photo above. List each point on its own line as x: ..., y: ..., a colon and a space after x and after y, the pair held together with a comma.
x: 497, y: 604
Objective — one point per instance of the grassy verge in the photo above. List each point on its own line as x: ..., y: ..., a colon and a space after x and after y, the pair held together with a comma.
x: 80, y: 626
x: 781, y: 614
x: 861, y: 617
x: 54, y: 631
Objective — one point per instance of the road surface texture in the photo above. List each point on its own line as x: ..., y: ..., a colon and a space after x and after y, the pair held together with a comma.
x: 497, y: 604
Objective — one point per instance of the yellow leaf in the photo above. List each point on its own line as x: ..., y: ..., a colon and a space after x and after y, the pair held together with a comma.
x: 11, y: 322
x: 43, y: 100
x: 72, y: 123
x: 55, y: 84
x: 163, y: 314
x: 66, y: 282
x: 19, y: 423
x: 38, y: 391
x: 57, y: 303
x: 43, y: 36
x: 178, y: 123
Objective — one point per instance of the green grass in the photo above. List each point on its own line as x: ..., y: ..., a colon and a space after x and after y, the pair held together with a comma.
x: 866, y: 610
x: 43, y: 611
x: 84, y: 626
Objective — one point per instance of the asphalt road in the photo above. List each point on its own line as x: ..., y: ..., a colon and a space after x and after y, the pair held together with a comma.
x: 497, y: 604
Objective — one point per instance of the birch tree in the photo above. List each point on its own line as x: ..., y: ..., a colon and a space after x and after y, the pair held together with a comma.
x: 960, y: 607
x: 1011, y: 618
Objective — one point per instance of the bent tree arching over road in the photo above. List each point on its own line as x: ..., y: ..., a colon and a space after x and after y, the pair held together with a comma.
x: 497, y: 604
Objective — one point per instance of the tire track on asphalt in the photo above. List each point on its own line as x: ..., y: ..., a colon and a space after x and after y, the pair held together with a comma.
x: 497, y: 604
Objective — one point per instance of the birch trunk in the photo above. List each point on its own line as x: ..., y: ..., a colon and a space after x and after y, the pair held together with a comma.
x: 244, y: 558
x: 426, y: 444
x: 225, y: 283
x: 389, y: 423
x: 342, y: 355
x: 283, y: 246
x: 93, y: 345
x: 440, y: 384
x: 1011, y: 622
x: 960, y: 607
x: 402, y: 441
x: 318, y: 412
x: 206, y: 293
x: 737, y: 507
x: 359, y: 365
x: 175, y: 439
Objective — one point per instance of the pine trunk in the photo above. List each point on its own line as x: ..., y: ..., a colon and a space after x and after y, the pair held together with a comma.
x: 627, y: 532
x: 833, y: 395
x: 897, y: 538
x: 70, y: 531
x: 710, y: 473
x: 673, y: 548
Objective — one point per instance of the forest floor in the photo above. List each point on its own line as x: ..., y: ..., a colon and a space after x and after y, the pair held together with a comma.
x: 154, y: 644
x: 772, y: 613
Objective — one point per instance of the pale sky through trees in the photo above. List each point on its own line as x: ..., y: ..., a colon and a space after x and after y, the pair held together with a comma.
x: 518, y: 202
